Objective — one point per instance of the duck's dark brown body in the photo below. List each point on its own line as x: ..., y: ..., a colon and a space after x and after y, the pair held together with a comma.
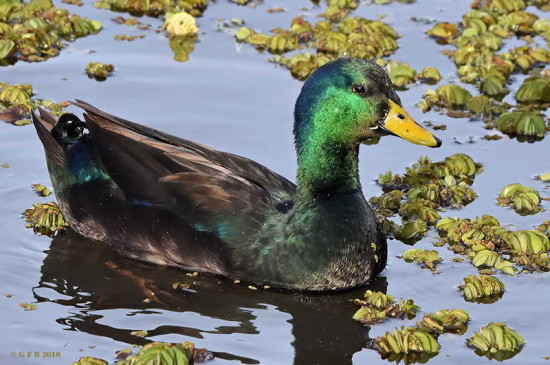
x: 169, y: 201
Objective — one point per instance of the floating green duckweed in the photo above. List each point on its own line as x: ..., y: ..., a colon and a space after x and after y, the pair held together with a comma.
x: 478, y: 41
x: 156, y: 353
x: 129, y: 38
x: 90, y: 360
x: 411, y: 231
x: 523, y: 199
x: 425, y: 258
x: 522, y: 123
x: 41, y: 190
x: 28, y: 306
x: 35, y: 31
x: 180, y: 24
x: 429, y: 75
x: 535, y: 90
x: 527, y: 242
x: 99, y: 71
x: 370, y: 315
x: 377, y: 307
x: 449, y: 96
x: 430, y: 186
x: 487, y: 244
x: 401, y: 74
x: 331, y: 38
x: 482, y: 288
x: 154, y: 7
x: 16, y: 96
x: 406, y: 340
x: 443, y: 321
x: 496, y: 341
x: 544, y: 177
x: 378, y: 300
x: 45, y: 218
x: 489, y: 259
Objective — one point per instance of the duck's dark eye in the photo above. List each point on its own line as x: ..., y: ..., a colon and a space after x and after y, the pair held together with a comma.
x: 359, y: 89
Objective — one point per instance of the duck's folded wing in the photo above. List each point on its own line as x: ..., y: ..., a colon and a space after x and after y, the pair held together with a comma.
x: 154, y: 167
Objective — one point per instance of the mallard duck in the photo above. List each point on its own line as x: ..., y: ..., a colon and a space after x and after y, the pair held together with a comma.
x: 165, y: 200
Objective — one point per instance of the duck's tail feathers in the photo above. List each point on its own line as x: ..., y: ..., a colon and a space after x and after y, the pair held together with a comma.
x: 56, y: 133
x: 44, y: 123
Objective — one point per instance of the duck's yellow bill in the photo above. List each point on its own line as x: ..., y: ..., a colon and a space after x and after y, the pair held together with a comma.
x: 400, y: 123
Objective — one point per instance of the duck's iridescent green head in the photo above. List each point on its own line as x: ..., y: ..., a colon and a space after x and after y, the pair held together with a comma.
x: 350, y: 100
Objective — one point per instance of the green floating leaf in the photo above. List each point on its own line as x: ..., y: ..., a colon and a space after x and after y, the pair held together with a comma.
x: 406, y: 340
x: 401, y: 74
x: 6, y: 47
x: 523, y: 199
x: 482, y: 289
x: 534, y: 90
x: 45, y: 218
x: 496, y: 341
x: 522, y: 124
x: 99, y: 71
x: 429, y: 75
x: 41, y: 190
x: 180, y: 24
x: 90, y: 360
x: 443, y: 321
x: 425, y: 258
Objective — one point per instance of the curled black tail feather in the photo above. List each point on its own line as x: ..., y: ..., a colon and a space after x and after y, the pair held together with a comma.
x: 44, y: 124
x: 68, y: 129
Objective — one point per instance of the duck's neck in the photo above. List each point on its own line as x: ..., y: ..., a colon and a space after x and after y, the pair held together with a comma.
x: 326, y: 167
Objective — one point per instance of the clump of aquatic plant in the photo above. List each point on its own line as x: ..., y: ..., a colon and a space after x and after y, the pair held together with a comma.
x: 180, y: 24
x: 128, y: 38
x: 181, y: 30
x: 443, y: 321
x: 478, y: 40
x: 535, y: 90
x: 99, y: 71
x: 16, y: 96
x: 491, y: 246
x: 429, y: 75
x: 481, y: 240
x: 489, y: 259
x: 401, y: 74
x: 390, y: 200
x: 482, y: 288
x: 378, y: 300
x: 484, y: 106
x: 419, y: 194
x: 154, y: 7
x: 522, y: 123
x: 524, y: 200
x: 496, y: 341
x: 331, y: 38
x: 527, y: 242
x: 90, y: 360
x: 543, y: 177
x: 41, y: 190
x: 45, y: 218
x: 425, y: 258
x: 449, y: 96
x: 410, y: 232
x: 377, y: 307
x: 34, y: 31
x: 16, y: 104
x: 156, y: 353
x: 407, y: 343
x: 419, y: 208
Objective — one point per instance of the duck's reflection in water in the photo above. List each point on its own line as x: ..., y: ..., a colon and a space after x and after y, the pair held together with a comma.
x: 266, y: 325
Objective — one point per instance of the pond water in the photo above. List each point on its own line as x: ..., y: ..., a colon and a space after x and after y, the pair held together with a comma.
x: 229, y: 97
